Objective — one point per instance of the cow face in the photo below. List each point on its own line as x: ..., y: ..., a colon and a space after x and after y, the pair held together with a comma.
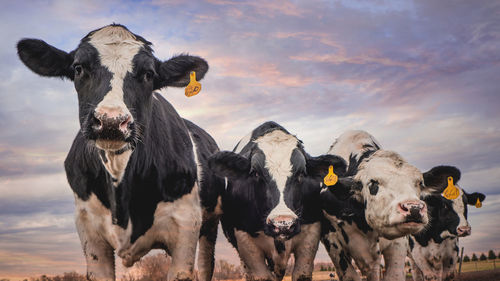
x: 449, y: 217
x: 114, y: 73
x: 390, y: 189
x: 276, y: 179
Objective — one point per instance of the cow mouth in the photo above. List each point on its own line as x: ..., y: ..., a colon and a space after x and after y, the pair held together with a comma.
x: 111, y: 145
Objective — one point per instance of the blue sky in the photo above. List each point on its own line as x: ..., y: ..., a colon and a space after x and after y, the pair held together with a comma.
x: 421, y: 76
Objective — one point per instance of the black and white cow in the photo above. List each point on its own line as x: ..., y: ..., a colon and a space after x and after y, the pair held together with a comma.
x: 137, y: 169
x: 380, y: 198
x: 270, y: 206
x: 434, y: 251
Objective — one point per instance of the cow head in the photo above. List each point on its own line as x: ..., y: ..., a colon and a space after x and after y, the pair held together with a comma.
x: 448, y: 217
x: 114, y: 72
x: 386, y: 189
x: 274, y: 175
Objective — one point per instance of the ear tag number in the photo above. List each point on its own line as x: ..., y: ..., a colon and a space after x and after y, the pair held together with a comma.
x: 194, y: 87
x: 478, y: 203
x: 451, y: 191
x: 331, y: 178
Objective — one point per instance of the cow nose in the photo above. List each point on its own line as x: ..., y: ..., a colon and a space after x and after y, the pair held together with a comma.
x: 412, y: 208
x: 112, y: 118
x: 284, y: 226
x: 463, y: 231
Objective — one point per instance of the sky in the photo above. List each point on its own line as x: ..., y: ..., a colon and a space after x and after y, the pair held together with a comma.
x: 421, y: 76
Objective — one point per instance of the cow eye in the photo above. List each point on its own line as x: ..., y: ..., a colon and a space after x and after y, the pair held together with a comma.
x: 148, y: 76
x: 78, y: 70
x: 421, y: 184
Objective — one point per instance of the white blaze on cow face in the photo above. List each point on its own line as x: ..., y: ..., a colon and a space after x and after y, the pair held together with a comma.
x: 277, y: 147
x: 398, y: 182
x: 117, y: 48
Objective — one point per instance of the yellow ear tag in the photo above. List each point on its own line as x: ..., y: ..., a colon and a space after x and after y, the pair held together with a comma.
x: 194, y: 87
x: 478, y: 203
x: 451, y: 191
x: 331, y: 178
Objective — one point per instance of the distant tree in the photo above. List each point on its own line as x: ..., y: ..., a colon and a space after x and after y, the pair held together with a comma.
x: 491, y: 255
x: 474, y: 257
x: 466, y: 258
x: 499, y: 255
x: 482, y: 257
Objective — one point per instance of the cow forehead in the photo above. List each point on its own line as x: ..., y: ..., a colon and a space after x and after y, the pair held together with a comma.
x: 116, y: 47
x: 277, y: 146
x: 388, y: 168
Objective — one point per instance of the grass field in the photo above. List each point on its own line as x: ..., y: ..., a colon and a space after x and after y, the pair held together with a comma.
x: 480, y: 265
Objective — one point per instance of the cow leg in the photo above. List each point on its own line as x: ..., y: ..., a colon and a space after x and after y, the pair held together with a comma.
x: 364, y: 249
x: 342, y: 262
x: 99, y: 254
x: 252, y: 257
x: 307, y: 242
x: 394, y: 257
x: 206, y: 250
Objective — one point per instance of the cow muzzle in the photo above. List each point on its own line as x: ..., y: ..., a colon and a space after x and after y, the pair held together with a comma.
x: 111, y: 127
x: 413, y: 211
x: 463, y: 231
x: 282, y: 227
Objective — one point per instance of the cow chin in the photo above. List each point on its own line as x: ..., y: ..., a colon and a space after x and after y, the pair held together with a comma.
x: 401, y: 229
x: 110, y: 145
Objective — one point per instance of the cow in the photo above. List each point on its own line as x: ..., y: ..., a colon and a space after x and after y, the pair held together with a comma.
x: 270, y: 206
x: 137, y: 169
x: 379, y: 196
x: 434, y: 251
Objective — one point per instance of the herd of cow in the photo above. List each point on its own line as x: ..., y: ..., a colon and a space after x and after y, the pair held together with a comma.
x: 145, y: 178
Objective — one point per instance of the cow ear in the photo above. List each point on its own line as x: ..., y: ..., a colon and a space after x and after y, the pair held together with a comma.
x: 436, y: 179
x: 472, y: 198
x: 319, y: 166
x: 45, y: 60
x: 229, y: 164
x: 175, y: 71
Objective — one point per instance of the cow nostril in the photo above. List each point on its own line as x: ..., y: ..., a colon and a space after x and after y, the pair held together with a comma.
x: 124, y: 124
x: 403, y: 207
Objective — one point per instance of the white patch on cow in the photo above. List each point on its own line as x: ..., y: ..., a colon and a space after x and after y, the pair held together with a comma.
x: 242, y: 143
x: 254, y: 250
x: 116, y: 47
x: 116, y: 164
x: 277, y: 147
x: 436, y: 261
x: 353, y: 142
x: 196, y: 160
x: 394, y: 253
x: 99, y: 236
x: 176, y: 225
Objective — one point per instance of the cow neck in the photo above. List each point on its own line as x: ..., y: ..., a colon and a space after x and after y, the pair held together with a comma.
x: 116, y: 162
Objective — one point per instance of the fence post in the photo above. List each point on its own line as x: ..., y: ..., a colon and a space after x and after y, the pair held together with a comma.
x: 460, y: 266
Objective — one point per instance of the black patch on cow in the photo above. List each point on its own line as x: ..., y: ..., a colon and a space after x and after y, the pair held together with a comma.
x: 103, y: 156
x: 270, y: 264
x: 344, y: 235
x: 456, y: 248
x: 94, y: 257
x: 354, y: 163
x: 279, y: 245
x: 378, y: 252
x: 373, y: 186
x: 326, y: 242
x: 343, y: 261
x: 451, y: 261
x: 437, y: 177
x: 335, y: 245
x: 411, y: 242
x: 442, y: 218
